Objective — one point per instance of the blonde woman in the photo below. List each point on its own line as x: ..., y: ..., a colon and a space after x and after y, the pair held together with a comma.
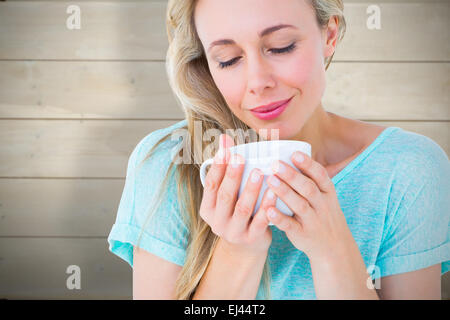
x: 371, y: 204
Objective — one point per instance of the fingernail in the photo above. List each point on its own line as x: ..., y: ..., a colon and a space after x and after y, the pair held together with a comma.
x: 270, y: 194
x: 299, y: 157
x: 235, y: 161
x: 220, y: 155
x: 273, y: 180
x: 278, y: 167
x: 272, y: 213
x: 255, y: 176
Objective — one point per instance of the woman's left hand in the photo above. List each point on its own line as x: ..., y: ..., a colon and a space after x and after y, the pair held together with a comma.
x: 318, y: 226
x: 319, y: 229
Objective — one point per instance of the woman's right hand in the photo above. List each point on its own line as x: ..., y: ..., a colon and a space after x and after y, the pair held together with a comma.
x: 230, y: 218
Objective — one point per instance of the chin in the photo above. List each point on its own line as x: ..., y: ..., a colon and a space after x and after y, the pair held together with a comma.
x: 283, y: 131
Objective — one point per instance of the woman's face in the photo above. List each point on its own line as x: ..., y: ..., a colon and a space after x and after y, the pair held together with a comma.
x: 252, y: 71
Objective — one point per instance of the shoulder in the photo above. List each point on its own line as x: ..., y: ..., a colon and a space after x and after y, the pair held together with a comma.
x: 163, y: 152
x: 412, y: 156
x: 150, y: 172
x: 415, y: 150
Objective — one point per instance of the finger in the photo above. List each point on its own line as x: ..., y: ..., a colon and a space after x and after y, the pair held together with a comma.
x: 286, y: 223
x: 245, y: 205
x: 298, y: 205
x: 260, y: 222
x: 302, y: 184
x: 228, y: 190
x: 314, y: 170
x: 226, y: 141
x: 213, y: 180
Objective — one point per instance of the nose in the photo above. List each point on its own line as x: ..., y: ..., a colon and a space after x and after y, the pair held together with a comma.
x: 259, y: 75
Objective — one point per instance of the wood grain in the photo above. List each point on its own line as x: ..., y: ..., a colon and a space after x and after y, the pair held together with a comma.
x: 140, y: 90
x: 69, y: 149
x: 74, y: 103
x: 37, y: 30
x: 35, y: 268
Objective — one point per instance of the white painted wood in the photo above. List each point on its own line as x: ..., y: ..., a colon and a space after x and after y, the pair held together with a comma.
x: 140, y: 90
x: 65, y: 148
x: 70, y: 149
x: 52, y: 165
x: 389, y: 91
x: 59, y: 207
x: 68, y: 89
x: 35, y: 268
x: 104, y: 34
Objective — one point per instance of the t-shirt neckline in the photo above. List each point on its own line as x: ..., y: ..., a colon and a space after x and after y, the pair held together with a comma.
x: 348, y: 168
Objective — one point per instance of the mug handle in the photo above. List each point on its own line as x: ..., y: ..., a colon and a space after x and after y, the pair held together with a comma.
x: 203, y: 169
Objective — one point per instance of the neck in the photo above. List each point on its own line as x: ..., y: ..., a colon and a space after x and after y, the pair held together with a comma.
x: 320, y: 129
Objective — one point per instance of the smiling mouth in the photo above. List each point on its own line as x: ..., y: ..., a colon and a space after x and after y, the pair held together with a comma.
x: 271, y: 114
x: 271, y: 106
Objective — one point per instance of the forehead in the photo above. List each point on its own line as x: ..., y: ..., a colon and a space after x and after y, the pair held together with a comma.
x: 236, y: 19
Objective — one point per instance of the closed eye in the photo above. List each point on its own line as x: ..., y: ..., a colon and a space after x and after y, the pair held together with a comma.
x: 228, y: 63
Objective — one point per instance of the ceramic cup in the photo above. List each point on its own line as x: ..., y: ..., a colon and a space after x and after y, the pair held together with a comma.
x: 261, y: 155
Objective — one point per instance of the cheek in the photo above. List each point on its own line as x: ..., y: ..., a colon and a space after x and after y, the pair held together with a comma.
x: 301, y: 71
x: 231, y: 88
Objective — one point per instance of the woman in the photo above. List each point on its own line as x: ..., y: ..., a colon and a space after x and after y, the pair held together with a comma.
x: 371, y: 199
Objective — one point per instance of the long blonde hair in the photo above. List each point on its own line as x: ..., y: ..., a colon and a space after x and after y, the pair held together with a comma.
x: 200, y: 100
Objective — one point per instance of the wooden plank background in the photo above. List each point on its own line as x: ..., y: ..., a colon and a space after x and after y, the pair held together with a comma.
x: 74, y: 103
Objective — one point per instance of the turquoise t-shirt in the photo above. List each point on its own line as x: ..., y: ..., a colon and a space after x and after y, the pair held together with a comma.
x: 394, y: 195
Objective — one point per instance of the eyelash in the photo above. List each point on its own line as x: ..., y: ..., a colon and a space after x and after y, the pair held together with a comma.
x: 287, y: 49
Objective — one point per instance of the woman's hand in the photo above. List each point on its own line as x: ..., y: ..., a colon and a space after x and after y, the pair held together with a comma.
x: 319, y: 229
x: 318, y: 226
x: 231, y: 218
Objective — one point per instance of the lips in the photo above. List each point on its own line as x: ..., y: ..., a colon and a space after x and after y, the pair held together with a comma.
x: 272, y: 114
x: 270, y: 107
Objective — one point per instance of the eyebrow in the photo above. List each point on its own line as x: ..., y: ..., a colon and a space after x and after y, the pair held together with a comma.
x: 263, y: 33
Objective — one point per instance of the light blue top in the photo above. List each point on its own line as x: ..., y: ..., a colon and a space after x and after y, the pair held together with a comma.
x: 394, y: 195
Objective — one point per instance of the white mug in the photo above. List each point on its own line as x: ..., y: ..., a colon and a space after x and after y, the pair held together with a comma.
x: 261, y: 155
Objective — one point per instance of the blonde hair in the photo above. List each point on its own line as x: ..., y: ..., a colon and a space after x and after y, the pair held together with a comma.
x: 200, y: 100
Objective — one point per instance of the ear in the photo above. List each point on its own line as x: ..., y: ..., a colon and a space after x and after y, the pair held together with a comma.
x: 330, y: 35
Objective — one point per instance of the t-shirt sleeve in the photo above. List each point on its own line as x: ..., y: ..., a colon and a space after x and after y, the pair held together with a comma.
x: 165, y: 233
x: 417, y: 231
